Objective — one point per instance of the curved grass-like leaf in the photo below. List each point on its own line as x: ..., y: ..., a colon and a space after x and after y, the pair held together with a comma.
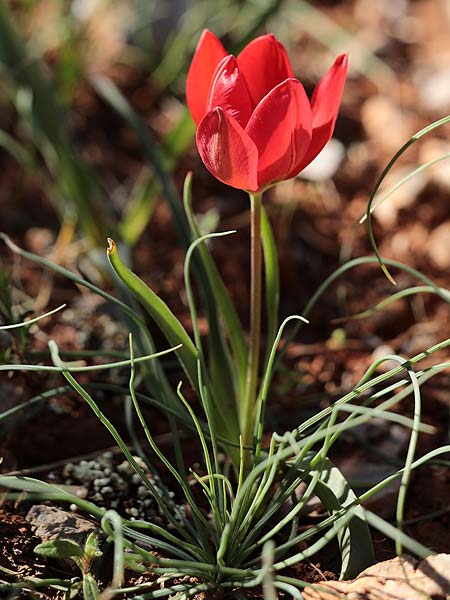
x: 402, y: 181
x: 218, y: 403
x: 220, y: 293
x: 418, y: 289
x: 159, y: 311
x: 32, y: 321
x: 380, y: 180
x: 355, y: 262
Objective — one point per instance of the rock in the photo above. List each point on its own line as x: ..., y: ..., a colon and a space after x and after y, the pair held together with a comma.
x: 39, y: 239
x: 403, y: 197
x: 402, y: 578
x: 50, y: 523
x: 387, y: 126
x: 433, y: 149
x: 434, y: 89
x: 438, y: 246
x: 325, y: 165
x: 380, y: 352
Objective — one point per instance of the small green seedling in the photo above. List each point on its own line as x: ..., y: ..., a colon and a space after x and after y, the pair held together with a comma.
x: 82, y: 557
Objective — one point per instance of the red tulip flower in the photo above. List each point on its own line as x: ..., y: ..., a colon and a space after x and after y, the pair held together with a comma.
x: 255, y: 123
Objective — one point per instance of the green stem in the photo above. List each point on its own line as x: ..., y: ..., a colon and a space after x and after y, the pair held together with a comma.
x: 247, y: 423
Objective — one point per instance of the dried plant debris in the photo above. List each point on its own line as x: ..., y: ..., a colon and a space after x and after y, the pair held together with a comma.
x: 401, y: 578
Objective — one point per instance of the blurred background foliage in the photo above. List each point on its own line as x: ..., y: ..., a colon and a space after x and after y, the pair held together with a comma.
x: 93, y: 113
x: 52, y: 52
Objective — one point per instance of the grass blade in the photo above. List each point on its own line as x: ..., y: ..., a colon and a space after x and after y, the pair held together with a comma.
x: 159, y: 311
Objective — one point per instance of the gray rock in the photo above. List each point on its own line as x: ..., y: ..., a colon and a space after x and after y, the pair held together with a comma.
x: 50, y: 523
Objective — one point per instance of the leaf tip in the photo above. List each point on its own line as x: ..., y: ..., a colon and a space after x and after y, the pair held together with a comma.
x: 388, y: 275
x: 111, y: 245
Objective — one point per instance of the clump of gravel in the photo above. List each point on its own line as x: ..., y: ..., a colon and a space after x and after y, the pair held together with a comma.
x: 115, y: 485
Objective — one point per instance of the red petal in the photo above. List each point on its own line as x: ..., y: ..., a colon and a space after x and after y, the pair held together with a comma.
x: 227, y: 150
x: 229, y: 91
x: 280, y: 126
x: 264, y: 63
x: 325, y: 103
x: 208, y: 54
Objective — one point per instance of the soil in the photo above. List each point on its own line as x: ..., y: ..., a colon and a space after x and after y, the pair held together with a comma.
x: 315, y: 229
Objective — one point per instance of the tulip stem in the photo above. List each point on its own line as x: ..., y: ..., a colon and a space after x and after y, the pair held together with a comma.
x: 255, y: 329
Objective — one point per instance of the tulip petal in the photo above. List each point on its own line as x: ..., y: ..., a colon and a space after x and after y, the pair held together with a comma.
x: 264, y: 63
x: 280, y: 126
x: 227, y: 151
x: 208, y: 54
x: 229, y: 91
x: 325, y: 103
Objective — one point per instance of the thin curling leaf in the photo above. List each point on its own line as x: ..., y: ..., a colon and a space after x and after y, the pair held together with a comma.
x: 31, y: 321
x: 221, y: 295
x: 390, y: 531
x: 380, y: 180
x: 402, y: 181
x: 418, y: 289
x: 280, y: 127
x: 208, y: 54
x: 264, y: 63
x: 227, y: 150
x: 325, y: 103
x: 159, y: 311
x: 229, y: 91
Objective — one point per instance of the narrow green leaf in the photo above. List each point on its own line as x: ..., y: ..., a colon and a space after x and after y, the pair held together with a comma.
x: 130, y: 313
x: 355, y: 542
x: 272, y: 279
x: 17, y: 150
x: 355, y: 262
x: 159, y: 311
x: 31, y: 321
x: 395, y: 534
x: 140, y: 208
x: 59, y: 549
